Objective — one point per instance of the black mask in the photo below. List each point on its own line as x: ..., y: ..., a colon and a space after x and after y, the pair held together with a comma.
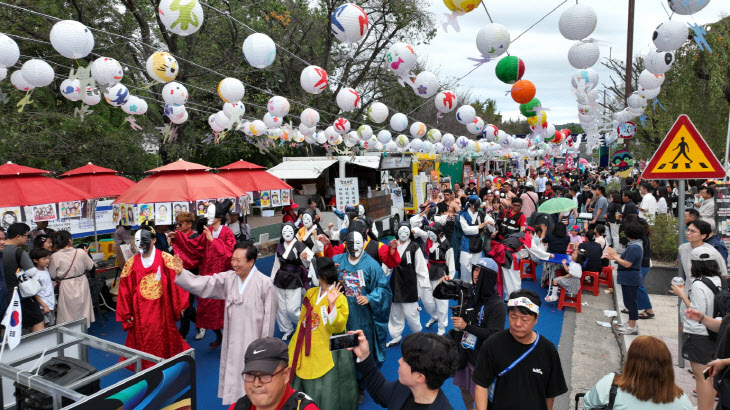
x: 143, y: 240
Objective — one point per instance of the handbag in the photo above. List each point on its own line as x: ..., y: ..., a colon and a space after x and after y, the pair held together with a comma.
x: 611, y: 396
x: 27, y: 287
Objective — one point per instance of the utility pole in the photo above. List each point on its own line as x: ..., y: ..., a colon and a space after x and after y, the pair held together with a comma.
x: 629, y: 56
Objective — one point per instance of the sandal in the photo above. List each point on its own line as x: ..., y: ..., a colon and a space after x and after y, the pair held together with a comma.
x: 646, y: 315
x: 625, y: 311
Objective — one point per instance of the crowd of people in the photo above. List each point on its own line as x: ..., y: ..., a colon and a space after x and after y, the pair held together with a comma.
x: 466, y: 244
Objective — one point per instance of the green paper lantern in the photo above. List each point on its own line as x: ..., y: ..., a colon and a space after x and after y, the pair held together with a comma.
x: 528, y: 110
x: 510, y: 69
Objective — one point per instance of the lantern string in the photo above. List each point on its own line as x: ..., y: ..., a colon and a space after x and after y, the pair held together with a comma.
x: 488, y: 15
x: 538, y: 22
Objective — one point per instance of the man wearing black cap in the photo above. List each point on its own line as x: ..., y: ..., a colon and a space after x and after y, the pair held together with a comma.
x: 266, y: 379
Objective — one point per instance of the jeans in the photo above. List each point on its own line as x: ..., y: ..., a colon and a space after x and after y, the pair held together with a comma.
x: 630, y: 296
x: 643, y: 301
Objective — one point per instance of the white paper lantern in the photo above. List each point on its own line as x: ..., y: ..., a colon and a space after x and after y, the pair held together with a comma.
x: 415, y: 145
x: 577, y: 22
x: 175, y: 93
x: 278, y: 106
x: 331, y: 134
x: 162, y: 67
x: 489, y: 132
x: 259, y: 50
x: 176, y: 112
x: 385, y: 136
x: 687, y: 7
x: 350, y: 139
x: 475, y: 126
x: 445, y: 101
x: 309, y: 117
x: 670, y: 35
x: 298, y: 137
x: 231, y: 90
x: 91, y: 95
x: 462, y: 142
x: 401, y: 58
x: 401, y: 141
x: 132, y: 105
x: 637, y: 111
x: 426, y: 84
x: 17, y: 80
x: 447, y: 140
x: 349, y: 23
x: 306, y: 130
x: 107, y: 71
x: 433, y: 135
x: 321, y: 138
x: 377, y: 112
x: 493, y: 40
x: 348, y: 99
x: 117, y: 95
x: 506, y: 142
x: 3, y: 73
x: 313, y: 79
x: 271, y: 121
x: 342, y: 125
x: 72, y: 39
x: 9, y: 51
x: 257, y: 128
x: 583, y: 54
x: 37, y: 72
x: 391, y: 147
x: 650, y: 81
x: 586, y: 117
x: 426, y: 148
x: 138, y: 108
x: 649, y: 94
x: 659, y: 62
x: 418, y: 129
x: 182, y: 19
x: 398, y: 122
x: 213, y: 125
x: 364, y: 132
x: 584, y: 80
x: 310, y: 139
x: 234, y: 109
x: 465, y: 114
x: 635, y: 101
x: 71, y: 89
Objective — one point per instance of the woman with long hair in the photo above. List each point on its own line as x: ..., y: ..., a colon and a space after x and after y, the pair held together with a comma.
x: 647, y: 381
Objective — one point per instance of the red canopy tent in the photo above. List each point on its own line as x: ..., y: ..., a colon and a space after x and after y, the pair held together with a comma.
x: 98, y: 181
x: 25, y: 186
x: 251, y: 177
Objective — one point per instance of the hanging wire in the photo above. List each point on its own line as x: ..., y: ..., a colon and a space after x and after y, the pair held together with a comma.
x: 490, y: 17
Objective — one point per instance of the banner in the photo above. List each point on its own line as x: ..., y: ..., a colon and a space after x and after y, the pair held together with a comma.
x: 346, y: 192
x: 81, y: 227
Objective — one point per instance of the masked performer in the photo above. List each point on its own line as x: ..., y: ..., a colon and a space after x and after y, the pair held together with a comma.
x: 440, y: 267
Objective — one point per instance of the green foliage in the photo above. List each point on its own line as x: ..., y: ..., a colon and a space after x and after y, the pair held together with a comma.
x: 664, y: 238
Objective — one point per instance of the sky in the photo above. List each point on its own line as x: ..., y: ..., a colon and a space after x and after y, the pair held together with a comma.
x: 543, y: 49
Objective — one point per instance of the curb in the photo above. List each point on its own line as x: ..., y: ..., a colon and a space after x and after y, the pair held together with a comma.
x: 618, y: 302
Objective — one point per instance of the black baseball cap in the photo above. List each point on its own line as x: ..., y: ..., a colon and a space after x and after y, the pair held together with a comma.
x: 264, y: 355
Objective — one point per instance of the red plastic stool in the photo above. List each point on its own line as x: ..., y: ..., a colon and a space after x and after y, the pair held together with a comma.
x: 606, y: 277
x: 570, y: 301
x: 593, y: 286
x: 528, y: 270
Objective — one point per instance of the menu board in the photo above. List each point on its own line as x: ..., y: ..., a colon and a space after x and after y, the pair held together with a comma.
x: 346, y: 192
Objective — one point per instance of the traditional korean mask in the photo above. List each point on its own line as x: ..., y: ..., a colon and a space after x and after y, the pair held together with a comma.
x: 404, y: 233
x: 433, y: 236
x: 287, y: 232
x: 307, y: 220
x: 360, y: 211
x: 143, y: 240
x: 354, y: 244
x: 210, y: 214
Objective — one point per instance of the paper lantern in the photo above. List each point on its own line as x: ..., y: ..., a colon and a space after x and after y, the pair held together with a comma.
x: 321, y: 138
x: 426, y: 84
x: 9, y: 51
x: 659, y: 62
x: 3, y: 73
x: 71, y: 89
x: 462, y: 6
x: 401, y: 59
x: 583, y: 54
x: 91, y: 96
x: 17, y: 80
x: 510, y: 69
x: 117, y: 95
x: 72, y: 39
x: 465, y: 114
x: 309, y: 117
x: 489, y: 133
x: 391, y: 147
x: 445, y: 101
x: 365, y: 132
x: 313, y: 79
x: 231, y: 90
x: 447, y: 140
x: 377, y: 112
x: 162, y: 67
x: 184, y: 117
x: 670, y: 35
x: 107, y: 71
x: 415, y: 145
x: 577, y: 22
x: 37, y: 72
x: 278, y: 106
x: 176, y: 113
x: 398, y: 122
x: 475, y: 127
x: 259, y: 50
x: 649, y: 94
x: 349, y: 23
x: 234, y: 109
x: 135, y: 106
x: 462, y: 142
x: 505, y: 142
x: 287, y: 133
x: 331, y: 134
x: 401, y: 141
x: 272, y: 121
x: 523, y: 91
x: 418, y: 129
x: 635, y: 101
x: 493, y: 40
x: 539, y: 119
x: 650, y: 81
x: 348, y: 99
x: 306, y: 130
x: 584, y: 80
x: 175, y: 93
x: 433, y: 135
x: 426, y: 147
x: 298, y: 137
x: 182, y: 19
x: 530, y: 109
x: 213, y: 125
x: 384, y: 136
x: 256, y: 128
x: 342, y: 126
x: 687, y: 7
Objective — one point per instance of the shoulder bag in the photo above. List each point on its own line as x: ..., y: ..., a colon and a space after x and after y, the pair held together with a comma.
x: 510, y: 367
x: 28, y: 287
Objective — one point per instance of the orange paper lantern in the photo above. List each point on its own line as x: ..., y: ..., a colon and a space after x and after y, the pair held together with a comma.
x: 523, y: 91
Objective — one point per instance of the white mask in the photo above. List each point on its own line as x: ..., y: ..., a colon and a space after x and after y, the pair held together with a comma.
x: 287, y: 233
x: 360, y: 210
x: 210, y: 214
x: 404, y: 233
x: 307, y: 220
x: 354, y: 244
x: 433, y: 236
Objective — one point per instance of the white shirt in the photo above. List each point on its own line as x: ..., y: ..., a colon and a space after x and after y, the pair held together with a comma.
x: 648, y: 202
x: 46, y: 292
x: 661, y: 206
x: 242, y: 284
x: 541, y: 183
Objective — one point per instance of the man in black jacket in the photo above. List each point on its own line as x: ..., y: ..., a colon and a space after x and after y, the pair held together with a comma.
x: 428, y: 360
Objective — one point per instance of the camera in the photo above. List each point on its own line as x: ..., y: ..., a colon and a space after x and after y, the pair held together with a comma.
x: 455, y: 289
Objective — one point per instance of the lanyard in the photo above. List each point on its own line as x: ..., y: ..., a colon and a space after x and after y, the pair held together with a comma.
x: 481, y: 316
x: 519, y: 359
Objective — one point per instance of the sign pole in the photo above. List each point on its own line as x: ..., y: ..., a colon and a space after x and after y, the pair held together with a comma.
x: 727, y: 147
x: 680, y: 273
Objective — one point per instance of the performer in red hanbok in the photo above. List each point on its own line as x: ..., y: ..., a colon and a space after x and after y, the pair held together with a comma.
x: 211, y: 253
x: 149, y: 303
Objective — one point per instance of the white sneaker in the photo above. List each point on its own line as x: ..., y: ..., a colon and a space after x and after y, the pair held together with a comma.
x: 286, y: 336
x: 441, y: 332
x: 393, y: 342
x: 431, y: 322
x: 552, y: 295
x: 627, y: 330
x: 200, y: 335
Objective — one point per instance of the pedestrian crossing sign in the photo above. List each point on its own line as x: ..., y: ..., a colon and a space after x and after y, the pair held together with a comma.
x: 683, y: 154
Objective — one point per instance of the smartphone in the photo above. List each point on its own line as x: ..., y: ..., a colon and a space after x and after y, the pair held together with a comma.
x: 344, y: 341
x: 706, y: 373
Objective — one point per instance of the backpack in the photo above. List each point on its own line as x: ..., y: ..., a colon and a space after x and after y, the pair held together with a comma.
x: 721, y: 302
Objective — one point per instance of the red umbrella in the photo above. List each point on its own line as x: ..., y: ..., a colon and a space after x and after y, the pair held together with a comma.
x: 251, y: 177
x: 25, y: 186
x: 180, y: 181
x: 98, y: 181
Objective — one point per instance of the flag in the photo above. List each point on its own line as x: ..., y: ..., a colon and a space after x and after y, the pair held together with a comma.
x: 12, y: 321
